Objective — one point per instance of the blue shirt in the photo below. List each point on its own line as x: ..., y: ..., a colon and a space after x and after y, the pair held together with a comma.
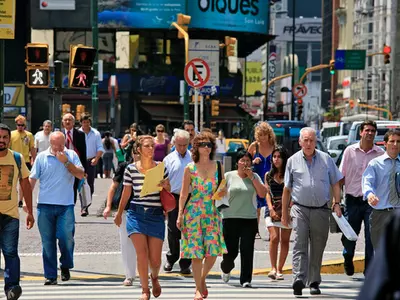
x: 175, y: 165
x: 93, y: 143
x: 310, y: 182
x: 376, y: 179
x: 56, y: 182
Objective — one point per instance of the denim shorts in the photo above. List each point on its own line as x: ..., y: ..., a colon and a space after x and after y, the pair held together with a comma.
x: 147, y: 221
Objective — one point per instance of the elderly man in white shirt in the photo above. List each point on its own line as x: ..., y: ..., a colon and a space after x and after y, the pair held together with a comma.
x: 175, y: 163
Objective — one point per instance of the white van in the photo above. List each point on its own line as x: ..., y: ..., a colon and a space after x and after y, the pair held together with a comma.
x: 383, y: 127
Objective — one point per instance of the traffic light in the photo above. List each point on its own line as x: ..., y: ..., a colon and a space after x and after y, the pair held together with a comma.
x: 183, y: 22
x: 386, y: 59
x: 214, y: 108
x: 37, y: 60
x: 81, y: 60
x: 332, y: 66
x: 299, y: 108
x: 213, y: 126
x: 230, y: 46
x: 279, y: 107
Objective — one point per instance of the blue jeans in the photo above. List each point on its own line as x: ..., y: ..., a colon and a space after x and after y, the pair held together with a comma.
x: 56, y: 222
x: 9, y: 236
x: 356, y: 211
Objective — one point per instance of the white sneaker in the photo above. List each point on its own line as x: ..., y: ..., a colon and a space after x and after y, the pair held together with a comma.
x: 247, y: 285
x: 225, y: 277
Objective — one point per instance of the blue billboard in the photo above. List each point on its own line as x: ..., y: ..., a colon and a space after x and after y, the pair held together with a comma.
x: 154, y: 14
x: 230, y: 15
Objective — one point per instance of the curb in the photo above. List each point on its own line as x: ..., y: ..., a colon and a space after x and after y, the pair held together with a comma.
x: 328, y: 267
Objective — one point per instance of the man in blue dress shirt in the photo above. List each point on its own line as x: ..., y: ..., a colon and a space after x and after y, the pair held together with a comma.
x: 379, y: 185
x: 175, y: 164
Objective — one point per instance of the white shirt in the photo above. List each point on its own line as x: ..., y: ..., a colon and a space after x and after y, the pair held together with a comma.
x: 220, y: 145
x: 42, y: 141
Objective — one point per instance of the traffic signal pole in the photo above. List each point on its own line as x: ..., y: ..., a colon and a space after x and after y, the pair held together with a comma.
x: 95, y: 42
x: 185, y: 92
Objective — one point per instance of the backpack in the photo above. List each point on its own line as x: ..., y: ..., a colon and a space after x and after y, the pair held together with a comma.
x: 17, y: 158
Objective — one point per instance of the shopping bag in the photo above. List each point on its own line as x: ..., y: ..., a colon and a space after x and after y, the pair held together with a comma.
x: 345, y: 227
x: 85, y: 194
x: 223, y: 203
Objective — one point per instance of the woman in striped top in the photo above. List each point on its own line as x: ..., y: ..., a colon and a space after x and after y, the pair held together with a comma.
x: 145, y: 217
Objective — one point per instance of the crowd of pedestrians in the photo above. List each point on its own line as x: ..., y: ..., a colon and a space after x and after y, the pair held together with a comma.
x: 297, y: 193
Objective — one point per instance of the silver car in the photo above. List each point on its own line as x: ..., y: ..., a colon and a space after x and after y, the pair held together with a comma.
x: 335, y: 145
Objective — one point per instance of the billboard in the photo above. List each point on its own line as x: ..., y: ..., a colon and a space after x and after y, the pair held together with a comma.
x: 230, y: 15
x: 156, y: 14
x: 306, y: 30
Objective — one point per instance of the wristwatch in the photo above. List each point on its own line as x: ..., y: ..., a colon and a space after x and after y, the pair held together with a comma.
x: 335, y: 203
x: 67, y: 164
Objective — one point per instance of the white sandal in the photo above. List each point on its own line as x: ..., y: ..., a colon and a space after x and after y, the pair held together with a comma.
x: 272, y: 275
x: 128, y: 281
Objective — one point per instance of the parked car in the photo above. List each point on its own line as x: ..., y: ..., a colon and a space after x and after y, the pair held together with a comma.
x: 335, y: 145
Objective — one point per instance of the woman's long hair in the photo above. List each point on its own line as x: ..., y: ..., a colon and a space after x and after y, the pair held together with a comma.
x: 284, y: 156
x: 107, y: 141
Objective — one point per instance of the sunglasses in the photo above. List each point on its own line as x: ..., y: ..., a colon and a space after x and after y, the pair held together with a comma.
x: 20, y: 125
x: 160, y: 130
x: 205, y: 144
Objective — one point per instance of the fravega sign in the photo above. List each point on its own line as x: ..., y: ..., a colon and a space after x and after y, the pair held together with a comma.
x: 306, y: 30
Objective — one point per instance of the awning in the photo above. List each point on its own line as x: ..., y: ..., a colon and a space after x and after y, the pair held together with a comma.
x: 159, y: 112
x: 230, y: 115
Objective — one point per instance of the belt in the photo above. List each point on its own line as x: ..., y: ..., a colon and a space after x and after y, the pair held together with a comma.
x: 325, y: 206
x: 387, y: 209
x: 147, y: 210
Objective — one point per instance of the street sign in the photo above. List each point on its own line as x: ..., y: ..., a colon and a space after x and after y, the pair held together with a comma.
x: 38, y: 77
x: 197, y: 73
x: 209, y: 51
x: 299, y: 90
x: 350, y: 59
x: 7, y: 19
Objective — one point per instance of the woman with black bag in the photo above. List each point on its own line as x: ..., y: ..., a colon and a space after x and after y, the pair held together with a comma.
x: 128, y: 251
x: 274, y: 181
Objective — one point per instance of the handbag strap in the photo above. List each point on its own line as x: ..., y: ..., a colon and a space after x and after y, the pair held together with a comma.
x: 219, y: 170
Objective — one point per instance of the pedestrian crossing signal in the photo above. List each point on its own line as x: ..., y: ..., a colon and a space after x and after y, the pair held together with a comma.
x: 80, y: 66
x: 37, y: 54
x: 81, y: 78
x: 38, y: 77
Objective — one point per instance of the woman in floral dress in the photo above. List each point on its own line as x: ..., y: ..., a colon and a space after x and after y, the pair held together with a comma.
x: 199, y: 219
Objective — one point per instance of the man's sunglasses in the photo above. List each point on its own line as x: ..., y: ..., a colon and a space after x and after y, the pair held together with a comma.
x: 205, y: 144
x: 20, y: 125
x: 160, y: 130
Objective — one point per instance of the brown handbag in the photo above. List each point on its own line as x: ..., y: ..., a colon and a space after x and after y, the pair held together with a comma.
x: 167, y: 200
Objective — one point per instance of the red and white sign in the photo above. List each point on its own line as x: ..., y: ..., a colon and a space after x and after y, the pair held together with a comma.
x: 299, y: 90
x: 197, y: 73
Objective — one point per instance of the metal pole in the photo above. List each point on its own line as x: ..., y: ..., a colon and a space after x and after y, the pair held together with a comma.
x: 201, y: 112
x: 186, y: 103
x: 293, y: 53
x: 95, y: 43
x: 196, y: 110
x: 2, y: 68
x: 112, y: 109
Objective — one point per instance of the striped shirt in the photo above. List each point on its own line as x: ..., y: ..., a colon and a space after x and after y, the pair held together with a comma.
x: 132, y: 177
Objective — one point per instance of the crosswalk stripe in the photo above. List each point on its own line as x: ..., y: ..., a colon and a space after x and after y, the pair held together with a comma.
x: 176, y: 289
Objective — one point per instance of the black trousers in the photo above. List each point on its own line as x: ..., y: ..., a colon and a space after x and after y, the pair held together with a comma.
x: 239, y: 232
x: 174, y: 235
x: 91, y: 174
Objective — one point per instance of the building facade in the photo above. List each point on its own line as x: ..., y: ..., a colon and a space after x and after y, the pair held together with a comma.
x: 137, y: 44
